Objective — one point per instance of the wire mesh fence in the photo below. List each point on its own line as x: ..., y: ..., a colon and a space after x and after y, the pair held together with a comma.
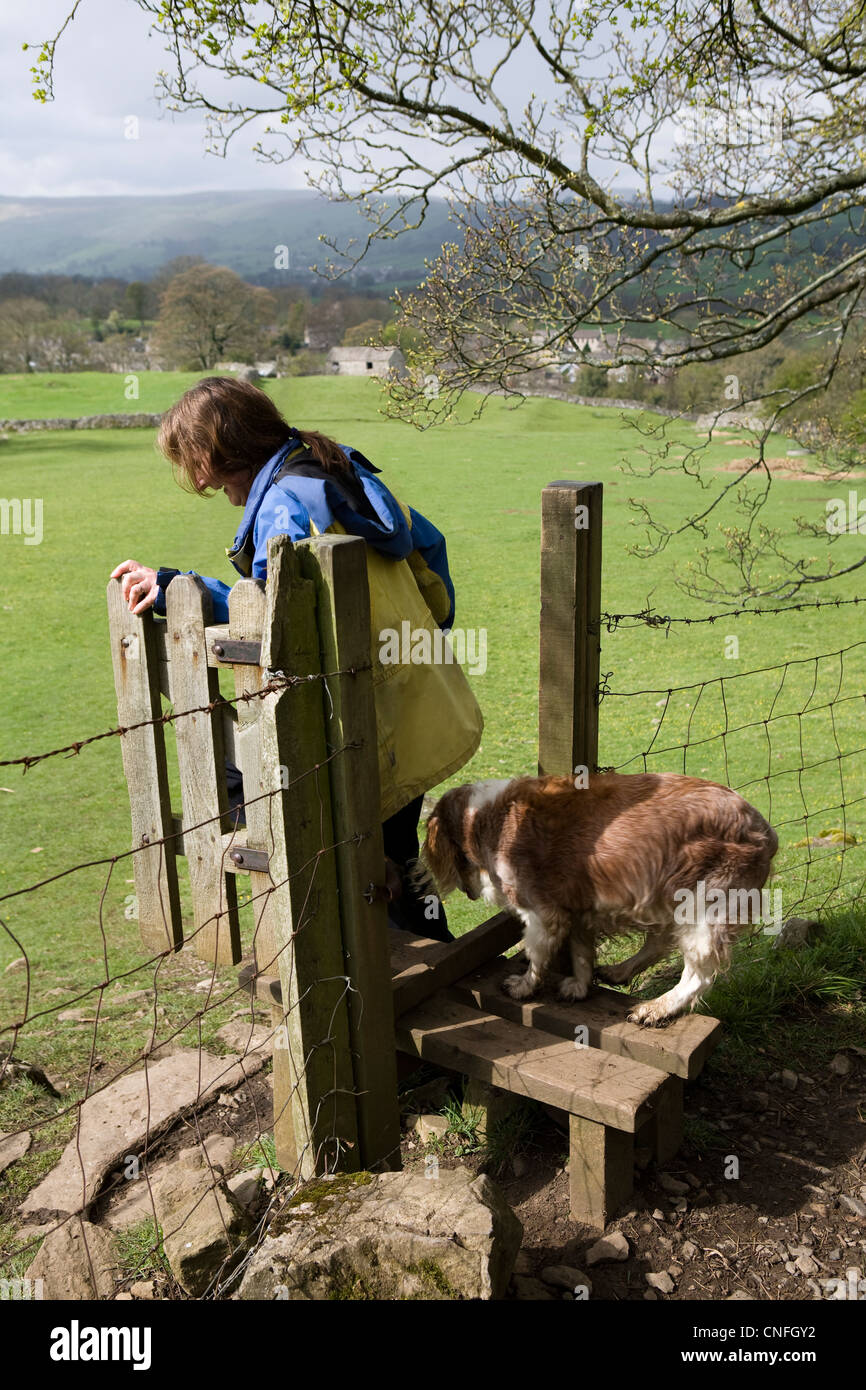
x: 176, y: 1104
x: 789, y: 736
x: 196, y: 1055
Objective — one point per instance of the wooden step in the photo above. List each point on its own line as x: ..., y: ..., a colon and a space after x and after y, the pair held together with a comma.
x: 681, y: 1048
x: 419, y: 965
x: 583, y: 1081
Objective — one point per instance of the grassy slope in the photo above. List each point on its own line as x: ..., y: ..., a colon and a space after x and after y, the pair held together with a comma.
x: 108, y: 496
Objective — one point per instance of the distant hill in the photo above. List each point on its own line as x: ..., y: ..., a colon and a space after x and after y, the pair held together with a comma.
x: 131, y: 237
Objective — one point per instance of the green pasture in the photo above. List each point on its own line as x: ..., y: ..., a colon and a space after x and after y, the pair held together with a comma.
x: 792, y: 738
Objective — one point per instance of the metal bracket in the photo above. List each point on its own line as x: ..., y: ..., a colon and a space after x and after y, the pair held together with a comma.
x: 255, y: 860
x: 236, y: 653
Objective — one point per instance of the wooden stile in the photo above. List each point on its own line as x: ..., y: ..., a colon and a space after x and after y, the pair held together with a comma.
x: 337, y: 567
x: 135, y: 657
x: 312, y: 846
x: 201, y: 759
x: 310, y: 964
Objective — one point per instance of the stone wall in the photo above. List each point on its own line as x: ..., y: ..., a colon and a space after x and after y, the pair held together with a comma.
x: 84, y: 422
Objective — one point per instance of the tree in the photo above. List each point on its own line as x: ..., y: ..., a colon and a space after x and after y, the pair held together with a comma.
x: 690, y: 165
x: 23, y: 324
x: 208, y: 313
x: 291, y: 335
x: 369, y: 331
x: 138, y: 301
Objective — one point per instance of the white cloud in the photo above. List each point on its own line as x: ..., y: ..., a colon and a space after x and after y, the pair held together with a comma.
x: 106, y: 72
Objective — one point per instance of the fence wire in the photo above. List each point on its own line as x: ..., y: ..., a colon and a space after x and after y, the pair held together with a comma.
x: 790, y: 737
x: 181, y: 1005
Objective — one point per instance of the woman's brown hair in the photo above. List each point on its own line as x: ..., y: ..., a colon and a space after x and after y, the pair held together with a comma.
x: 222, y: 427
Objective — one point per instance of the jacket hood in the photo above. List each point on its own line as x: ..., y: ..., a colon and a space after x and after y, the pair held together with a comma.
x: 325, y: 502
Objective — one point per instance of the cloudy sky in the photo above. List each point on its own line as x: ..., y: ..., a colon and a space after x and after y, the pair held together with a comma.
x: 77, y: 144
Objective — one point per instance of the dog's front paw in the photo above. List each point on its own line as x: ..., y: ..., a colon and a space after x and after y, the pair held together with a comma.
x: 649, y: 1015
x: 519, y: 986
x: 571, y: 989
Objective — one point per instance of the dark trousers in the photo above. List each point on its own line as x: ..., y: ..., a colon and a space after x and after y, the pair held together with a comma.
x: 412, y: 909
x: 415, y: 909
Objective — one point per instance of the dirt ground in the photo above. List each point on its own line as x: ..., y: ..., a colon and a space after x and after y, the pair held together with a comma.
x: 781, y: 1230
x: 790, y: 1226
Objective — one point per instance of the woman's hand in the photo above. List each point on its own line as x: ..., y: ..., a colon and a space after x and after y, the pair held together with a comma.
x: 139, y: 588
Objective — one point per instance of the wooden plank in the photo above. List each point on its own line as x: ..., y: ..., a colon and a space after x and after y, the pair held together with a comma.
x: 283, y: 1077
x: 337, y: 567
x: 201, y: 760
x: 265, y: 987
x: 407, y: 950
x: 247, y: 607
x: 570, y: 639
x: 681, y: 1048
x: 600, y: 1171
x: 136, y: 679
x: 583, y: 1081
x: 162, y: 657
x: 229, y: 720
x: 304, y: 879
x: 445, y: 962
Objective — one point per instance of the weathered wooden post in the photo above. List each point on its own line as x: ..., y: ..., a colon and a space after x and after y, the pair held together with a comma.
x: 247, y: 608
x: 303, y: 875
x: 201, y: 759
x: 337, y: 567
x: 570, y: 638
x: 135, y: 651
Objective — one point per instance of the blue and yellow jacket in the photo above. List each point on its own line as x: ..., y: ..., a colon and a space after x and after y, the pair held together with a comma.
x: 428, y: 721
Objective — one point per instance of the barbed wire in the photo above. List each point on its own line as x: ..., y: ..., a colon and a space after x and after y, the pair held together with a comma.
x: 647, y: 618
x: 279, y: 681
x: 98, y: 1191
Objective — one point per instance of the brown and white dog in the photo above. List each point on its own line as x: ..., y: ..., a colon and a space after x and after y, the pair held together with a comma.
x: 576, y: 863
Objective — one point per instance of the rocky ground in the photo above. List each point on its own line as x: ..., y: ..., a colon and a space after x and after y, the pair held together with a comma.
x: 792, y: 1225
x: 766, y: 1200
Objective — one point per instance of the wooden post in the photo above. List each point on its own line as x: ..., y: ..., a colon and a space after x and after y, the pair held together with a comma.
x: 303, y: 873
x: 135, y: 655
x: 247, y: 608
x: 570, y: 639
x: 667, y: 1123
x: 600, y: 1170
x: 246, y: 623
x: 201, y: 759
x: 337, y: 567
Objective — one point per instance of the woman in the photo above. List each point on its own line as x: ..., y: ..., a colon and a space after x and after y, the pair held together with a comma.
x: 227, y: 434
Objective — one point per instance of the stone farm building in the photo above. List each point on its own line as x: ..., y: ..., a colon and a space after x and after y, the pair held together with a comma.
x: 366, y: 361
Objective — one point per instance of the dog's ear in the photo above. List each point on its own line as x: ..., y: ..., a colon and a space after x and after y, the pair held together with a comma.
x: 439, y: 852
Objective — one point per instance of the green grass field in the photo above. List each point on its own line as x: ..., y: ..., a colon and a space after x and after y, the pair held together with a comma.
x: 108, y: 496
